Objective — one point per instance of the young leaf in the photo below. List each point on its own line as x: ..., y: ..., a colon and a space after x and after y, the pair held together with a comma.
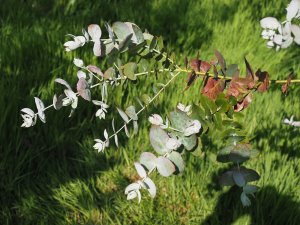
x: 263, y: 77
x: 130, y: 111
x: 245, y: 200
x: 110, y: 32
x: 191, y: 79
x: 176, y: 158
x: 250, y: 189
x: 238, y: 178
x: 129, y: 70
x: 140, y: 170
x: 63, y: 82
x: 58, y: 101
x: 150, y: 186
x: 232, y: 70
x: 126, y: 131
x: 116, y: 140
x: 249, y: 174
x: 284, y: 87
x: 95, y: 32
x: 158, y: 139
x: 121, y: 30
x: 83, y: 89
x: 138, y: 36
x: 148, y: 159
x: 132, y: 187
x: 164, y: 166
x: 97, y: 48
x: 213, y: 87
x: 221, y: 60
x: 95, y: 69
x: 40, y: 107
x: 135, y: 127
x: 249, y: 71
x: 226, y: 179
x: 123, y: 115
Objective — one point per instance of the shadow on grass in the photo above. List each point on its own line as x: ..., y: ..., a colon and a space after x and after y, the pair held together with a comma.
x: 269, y: 207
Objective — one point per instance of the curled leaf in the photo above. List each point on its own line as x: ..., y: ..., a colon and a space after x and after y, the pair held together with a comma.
x: 40, y: 107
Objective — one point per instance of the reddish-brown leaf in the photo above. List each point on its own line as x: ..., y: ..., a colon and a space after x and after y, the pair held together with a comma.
x: 213, y: 87
x: 186, y: 62
x: 204, y: 66
x: 244, y: 103
x: 285, y: 86
x: 195, y: 64
x: 249, y: 71
x: 263, y: 77
x: 237, y: 87
x: 191, y: 79
x: 221, y: 60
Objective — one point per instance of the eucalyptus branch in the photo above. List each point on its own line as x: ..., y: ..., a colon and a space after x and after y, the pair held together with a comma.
x: 145, y: 106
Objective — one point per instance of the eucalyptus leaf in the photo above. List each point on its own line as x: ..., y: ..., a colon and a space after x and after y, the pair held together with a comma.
x: 158, y: 139
x: 126, y: 131
x: 176, y: 158
x: 97, y: 48
x: 125, y: 43
x: 245, y: 200
x: 189, y: 142
x: 250, y: 189
x: 179, y: 120
x: 164, y: 166
x: 148, y: 159
x: 146, y: 99
x: 226, y: 179
x: 95, y: 32
x: 121, y: 30
x: 237, y: 153
x: 140, y: 170
x: 58, y: 101
x: 249, y: 174
x: 129, y: 70
x: 238, y: 178
x: 135, y: 127
x: 116, y: 140
x: 40, y: 107
x: 63, y: 82
x: 132, y: 187
x: 110, y: 32
x: 83, y: 89
x: 123, y: 115
x: 130, y: 111
x: 150, y: 186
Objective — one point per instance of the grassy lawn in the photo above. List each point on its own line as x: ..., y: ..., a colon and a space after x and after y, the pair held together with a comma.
x: 50, y: 174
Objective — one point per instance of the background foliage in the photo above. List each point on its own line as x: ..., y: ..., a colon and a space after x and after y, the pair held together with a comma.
x: 51, y: 175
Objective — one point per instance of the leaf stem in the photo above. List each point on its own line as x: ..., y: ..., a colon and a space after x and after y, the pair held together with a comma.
x: 145, y: 106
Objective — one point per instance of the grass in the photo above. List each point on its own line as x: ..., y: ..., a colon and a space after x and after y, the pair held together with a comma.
x: 51, y: 175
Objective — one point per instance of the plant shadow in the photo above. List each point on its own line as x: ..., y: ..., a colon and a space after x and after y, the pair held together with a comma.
x: 269, y: 207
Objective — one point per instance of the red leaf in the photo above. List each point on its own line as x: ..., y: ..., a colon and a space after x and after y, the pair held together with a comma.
x: 204, y: 66
x: 285, y: 86
x: 249, y: 71
x: 244, y: 103
x: 237, y: 86
x: 263, y: 77
x: 213, y: 87
x: 191, y: 79
x: 221, y: 60
x: 195, y: 64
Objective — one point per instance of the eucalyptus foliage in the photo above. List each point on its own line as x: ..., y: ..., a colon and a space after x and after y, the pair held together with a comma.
x: 224, y: 94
